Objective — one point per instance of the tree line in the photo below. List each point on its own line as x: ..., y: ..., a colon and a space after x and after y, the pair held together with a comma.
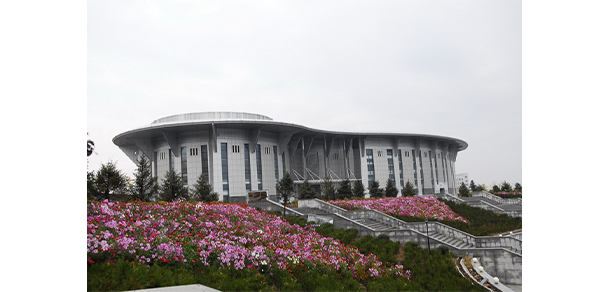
x: 345, y: 190
x: 505, y: 187
x: 109, y: 183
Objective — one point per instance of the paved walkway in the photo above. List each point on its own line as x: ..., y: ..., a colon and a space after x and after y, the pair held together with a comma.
x: 184, y: 288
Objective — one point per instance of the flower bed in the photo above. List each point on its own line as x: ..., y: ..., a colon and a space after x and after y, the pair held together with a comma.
x: 419, y: 207
x: 224, y: 235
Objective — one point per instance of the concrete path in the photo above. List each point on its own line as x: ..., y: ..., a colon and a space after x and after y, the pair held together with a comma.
x: 184, y: 288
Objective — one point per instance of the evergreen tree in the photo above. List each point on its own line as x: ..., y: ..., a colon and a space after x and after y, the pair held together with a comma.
x: 495, y: 189
x: 473, y: 186
x: 518, y: 187
x: 285, y: 187
x: 358, y: 189
x: 480, y: 188
x: 306, y: 191
x: 202, y: 191
x: 172, y: 188
x: 328, y: 190
x: 110, y: 183
x: 390, y: 189
x: 409, y: 190
x: 144, y: 186
x: 506, y: 187
x: 345, y: 190
x: 374, y: 190
x: 463, y: 191
x: 90, y: 185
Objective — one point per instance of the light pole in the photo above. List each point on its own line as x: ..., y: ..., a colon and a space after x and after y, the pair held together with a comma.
x: 428, y: 236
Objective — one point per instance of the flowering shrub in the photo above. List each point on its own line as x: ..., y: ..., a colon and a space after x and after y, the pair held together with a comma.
x: 419, y: 206
x: 215, y: 234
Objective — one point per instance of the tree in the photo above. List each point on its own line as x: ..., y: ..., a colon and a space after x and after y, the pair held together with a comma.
x: 390, y: 189
x: 110, y: 183
x: 91, y: 185
x: 495, y: 189
x: 144, y: 186
x: 172, y: 187
x: 306, y: 191
x: 518, y: 187
x: 374, y: 190
x: 90, y: 147
x: 480, y: 188
x: 463, y: 191
x: 202, y: 191
x: 409, y: 190
x: 285, y: 187
x: 358, y: 189
x: 473, y: 186
x: 345, y: 190
x: 328, y: 190
x: 506, y: 187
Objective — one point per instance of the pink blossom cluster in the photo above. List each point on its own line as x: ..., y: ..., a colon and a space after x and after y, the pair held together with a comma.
x: 418, y: 206
x: 226, y: 235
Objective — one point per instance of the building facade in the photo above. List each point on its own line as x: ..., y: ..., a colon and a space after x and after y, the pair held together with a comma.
x: 239, y: 153
x: 462, y: 178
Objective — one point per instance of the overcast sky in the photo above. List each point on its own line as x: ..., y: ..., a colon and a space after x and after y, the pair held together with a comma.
x: 449, y: 68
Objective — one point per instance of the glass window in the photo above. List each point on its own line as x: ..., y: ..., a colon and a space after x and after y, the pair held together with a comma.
x: 390, y: 156
x: 225, y: 169
x: 204, y: 162
x: 183, y: 164
x: 259, y: 167
x: 275, y: 164
x: 370, y: 165
x: 247, y: 166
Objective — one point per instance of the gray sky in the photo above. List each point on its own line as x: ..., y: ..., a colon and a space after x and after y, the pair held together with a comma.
x: 449, y: 68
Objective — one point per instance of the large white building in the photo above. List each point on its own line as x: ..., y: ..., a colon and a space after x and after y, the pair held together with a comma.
x: 241, y: 152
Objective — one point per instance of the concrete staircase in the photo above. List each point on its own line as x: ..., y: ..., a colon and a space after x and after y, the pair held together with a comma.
x: 500, y: 254
x: 450, y: 241
x: 374, y: 224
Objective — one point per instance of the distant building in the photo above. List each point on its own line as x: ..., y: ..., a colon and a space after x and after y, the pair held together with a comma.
x: 462, y: 178
x: 241, y: 153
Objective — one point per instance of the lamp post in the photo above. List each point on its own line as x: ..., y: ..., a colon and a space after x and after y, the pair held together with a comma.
x: 428, y: 236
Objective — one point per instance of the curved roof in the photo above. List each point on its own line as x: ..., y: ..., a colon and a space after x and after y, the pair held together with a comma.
x: 194, y: 122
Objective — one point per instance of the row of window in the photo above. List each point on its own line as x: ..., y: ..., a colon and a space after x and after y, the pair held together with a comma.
x: 371, y: 166
x: 183, y: 161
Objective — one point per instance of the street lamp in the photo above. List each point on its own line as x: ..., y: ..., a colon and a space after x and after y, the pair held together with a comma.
x: 428, y: 236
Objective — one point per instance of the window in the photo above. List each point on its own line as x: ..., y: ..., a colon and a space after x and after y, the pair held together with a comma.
x: 414, y: 168
x: 335, y: 156
x: 225, y: 170
x: 155, y: 165
x: 247, y: 166
x: 267, y: 150
x: 235, y: 148
x: 259, y: 167
x: 204, y: 162
x: 275, y: 164
x: 183, y: 163
x: 171, y: 160
x: 379, y: 153
x: 402, y: 180
x: 370, y: 165
x: 390, y: 156
x: 194, y: 151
